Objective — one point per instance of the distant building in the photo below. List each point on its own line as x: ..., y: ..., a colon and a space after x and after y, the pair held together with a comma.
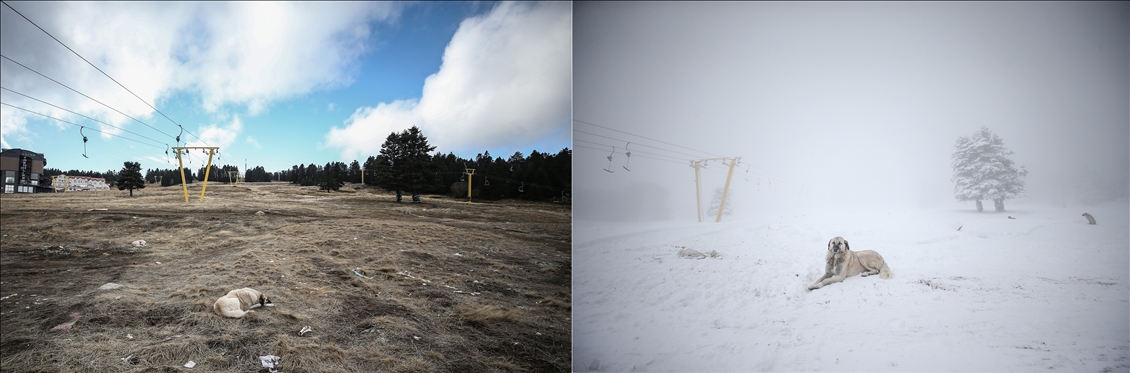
x: 67, y: 183
x: 21, y: 170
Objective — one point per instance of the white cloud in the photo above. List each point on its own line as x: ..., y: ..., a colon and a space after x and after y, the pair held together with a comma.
x: 237, y: 55
x: 221, y: 136
x: 331, y: 107
x: 253, y: 142
x: 506, y: 78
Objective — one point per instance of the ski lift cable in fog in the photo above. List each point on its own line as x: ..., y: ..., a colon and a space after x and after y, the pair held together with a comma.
x: 636, y: 156
x: 622, y: 140
x: 636, y: 151
x: 762, y: 170
x: 644, y: 137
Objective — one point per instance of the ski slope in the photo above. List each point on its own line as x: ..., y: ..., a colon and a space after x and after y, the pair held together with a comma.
x: 1042, y: 292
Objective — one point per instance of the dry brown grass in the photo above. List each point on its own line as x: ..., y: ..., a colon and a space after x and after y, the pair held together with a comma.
x: 447, y: 286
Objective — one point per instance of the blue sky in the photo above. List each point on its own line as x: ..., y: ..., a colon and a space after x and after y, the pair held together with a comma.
x: 280, y: 84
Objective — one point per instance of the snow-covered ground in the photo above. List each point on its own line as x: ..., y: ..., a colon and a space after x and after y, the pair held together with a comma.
x: 1042, y: 292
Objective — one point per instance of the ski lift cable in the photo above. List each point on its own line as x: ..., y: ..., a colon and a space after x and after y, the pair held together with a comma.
x: 78, y: 125
x: 84, y: 95
x: 683, y: 147
x: 622, y: 140
x: 644, y: 137
x: 99, y: 70
x: 636, y: 151
x: 637, y: 156
x: 81, y: 115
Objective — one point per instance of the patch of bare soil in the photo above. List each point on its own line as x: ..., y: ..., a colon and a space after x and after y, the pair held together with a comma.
x: 442, y: 285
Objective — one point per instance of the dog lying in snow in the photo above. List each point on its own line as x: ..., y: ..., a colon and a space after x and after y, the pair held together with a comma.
x: 843, y: 263
x: 239, y: 302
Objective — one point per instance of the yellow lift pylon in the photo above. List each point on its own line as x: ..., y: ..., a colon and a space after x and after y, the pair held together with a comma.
x: 731, y: 161
x: 207, y: 169
x: 470, y: 172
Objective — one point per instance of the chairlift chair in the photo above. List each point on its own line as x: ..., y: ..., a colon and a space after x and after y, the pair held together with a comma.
x: 83, y: 141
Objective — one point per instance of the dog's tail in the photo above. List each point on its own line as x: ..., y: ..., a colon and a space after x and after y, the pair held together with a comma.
x: 885, y: 272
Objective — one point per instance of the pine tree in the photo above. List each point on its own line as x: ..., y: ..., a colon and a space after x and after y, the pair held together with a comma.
x: 982, y: 170
x: 331, y: 178
x: 717, y: 200
x: 404, y: 163
x: 130, y: 177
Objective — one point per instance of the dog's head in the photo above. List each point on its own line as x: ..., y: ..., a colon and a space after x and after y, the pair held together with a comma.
x: 264, y: 302
x: 838, y: 245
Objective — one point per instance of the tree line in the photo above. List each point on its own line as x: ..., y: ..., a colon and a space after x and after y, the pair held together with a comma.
x: 406, y: 164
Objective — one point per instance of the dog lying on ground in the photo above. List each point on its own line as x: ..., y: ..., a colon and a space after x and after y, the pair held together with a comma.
x: 239, y: 302
x: 843, y: 263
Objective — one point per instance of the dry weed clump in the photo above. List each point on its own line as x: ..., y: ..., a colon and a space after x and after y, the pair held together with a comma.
x: 486, y: 315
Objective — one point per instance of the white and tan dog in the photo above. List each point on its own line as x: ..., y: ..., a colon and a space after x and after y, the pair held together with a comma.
x: 843, y: 263
x: 239, y: 302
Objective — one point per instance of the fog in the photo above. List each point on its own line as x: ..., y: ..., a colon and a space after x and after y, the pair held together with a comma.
x: 841, y: 105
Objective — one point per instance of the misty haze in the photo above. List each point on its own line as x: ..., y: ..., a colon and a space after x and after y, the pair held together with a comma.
x: 846, y: 119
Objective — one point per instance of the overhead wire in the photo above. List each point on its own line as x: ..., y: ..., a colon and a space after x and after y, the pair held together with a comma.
x: 658, y: 159
x: 757, y: 170
x: 100, y: 70
x: 644, y: 137
x: 622, y: 140
x: 77, y: 125
x: 624, y: 152
x: 84, y: 95
x: 81, y: 115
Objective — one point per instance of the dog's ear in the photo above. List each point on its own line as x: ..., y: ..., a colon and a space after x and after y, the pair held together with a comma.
x: 830, y: 244
x: 846, y: 246
x: 262, y: 300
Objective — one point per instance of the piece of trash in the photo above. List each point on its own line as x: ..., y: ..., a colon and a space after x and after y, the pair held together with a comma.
x: 97, y: 210
x: 67, y: 325
x: 110, y: 286
x: 139, y: 243
x: 359, y: 274
x: 158, y: 263
x: 260, y: 213
x: 190, y: 364
x: 8, y: 296
x: 305, y: 329
x: 130, y: 336
x: 126, y: 359
x: 417, y: 338
x: 269, y: 361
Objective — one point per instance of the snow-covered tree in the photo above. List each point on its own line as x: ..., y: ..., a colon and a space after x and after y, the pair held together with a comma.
x: 982, y: 170
x: 717, y: 200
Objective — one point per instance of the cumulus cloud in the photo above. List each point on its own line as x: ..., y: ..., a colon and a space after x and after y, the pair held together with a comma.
x: 219, y: 135
x: 224, y: 56
x: 506, y: 79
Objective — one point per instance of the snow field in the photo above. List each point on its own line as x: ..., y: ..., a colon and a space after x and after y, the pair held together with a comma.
x: 1045, y: 291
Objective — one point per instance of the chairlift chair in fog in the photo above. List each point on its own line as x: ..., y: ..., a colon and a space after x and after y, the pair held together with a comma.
x: 610, y: 160
x: 629, y: 154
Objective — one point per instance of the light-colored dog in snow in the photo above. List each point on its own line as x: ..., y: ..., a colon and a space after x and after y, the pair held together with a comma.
x: 843, y: 263
x: 239, y: 302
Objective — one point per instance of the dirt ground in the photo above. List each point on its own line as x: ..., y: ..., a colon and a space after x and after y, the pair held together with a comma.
x: 442, y: 285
